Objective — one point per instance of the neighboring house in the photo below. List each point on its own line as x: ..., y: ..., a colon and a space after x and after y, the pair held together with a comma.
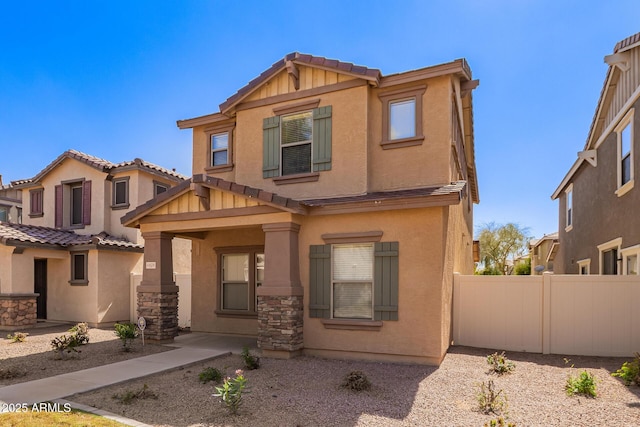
x: 542, y: 252
x: 599, y: 228
x: 10, y: 203
x: 329, y: 210
x: 71, y: 258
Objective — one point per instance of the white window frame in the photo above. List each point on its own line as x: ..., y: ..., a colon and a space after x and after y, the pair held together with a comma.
x: 293, y: 144
x: 626, y: 121
x: 569, y: 211
x: 628, y: 252
x: 371, y: 282
x: 611, y: 244
x: 584, y: 263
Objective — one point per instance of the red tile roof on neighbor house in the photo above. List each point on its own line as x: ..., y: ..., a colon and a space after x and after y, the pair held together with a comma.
x: 301, y: 58
x: 102, y: 165
x: 33, y: 235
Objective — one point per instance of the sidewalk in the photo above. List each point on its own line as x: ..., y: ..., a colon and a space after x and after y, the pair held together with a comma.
x: 190, y: 349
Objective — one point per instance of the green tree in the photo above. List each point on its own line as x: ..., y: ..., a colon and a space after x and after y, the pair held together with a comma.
x: 500, y: 243
x: 523, y: 268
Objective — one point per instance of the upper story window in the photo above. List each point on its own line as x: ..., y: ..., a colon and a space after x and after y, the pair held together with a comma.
x: 630, y: 257
x: 402, y: 117
x: 19, y: 220
x: 296, y: 136
x: 4, y: 213
x: 73, y: 204
x: 297, y: 143
x: 120, y: 192
x: 220, y: 148
x: 36, y: 202
x: 609, y: 256
x: 625, y: 169
x: 569, y: 208
x: 159, y: 188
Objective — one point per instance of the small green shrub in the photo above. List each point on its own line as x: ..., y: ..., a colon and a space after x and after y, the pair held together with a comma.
x: 18, y: 336
x: 629, y: 372
x: 251, y: 362
x: 78, y: 336
x: 230, y: 393
x: 500, y: 364
x: 584, y: 384
x: 490, y: 401
x: 499, y: 422
x: 356, y: 381
x: 210, y: 374
x: 127, y: 332
x: 130, y: 395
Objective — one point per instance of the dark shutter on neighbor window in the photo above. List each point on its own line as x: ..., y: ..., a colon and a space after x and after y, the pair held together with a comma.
x: 320, y: 281
x: 58, y: 206
x: 322, y: 139
x: 385, y: 279
x: 86, y: 202
x: 271, y: 147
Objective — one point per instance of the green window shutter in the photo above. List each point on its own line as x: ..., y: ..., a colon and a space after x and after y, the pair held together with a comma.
x: 385, y: 305
x: 271, y: 147
x: 322, y: 139
x: 320, y: 281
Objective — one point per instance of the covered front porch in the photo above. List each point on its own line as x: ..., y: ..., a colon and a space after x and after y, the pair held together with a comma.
x: 245, y: 266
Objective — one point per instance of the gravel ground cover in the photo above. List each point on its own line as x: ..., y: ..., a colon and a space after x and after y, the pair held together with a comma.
x: 306, y: 392
x: 35, y: 359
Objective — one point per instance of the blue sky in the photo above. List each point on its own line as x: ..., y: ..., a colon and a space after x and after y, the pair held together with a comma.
x: 110, y: 78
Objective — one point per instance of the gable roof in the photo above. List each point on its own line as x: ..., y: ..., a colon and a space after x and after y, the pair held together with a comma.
x: 609, y: 85
x: 101, y: 165
x: 371, y: 74
x: 32, y: 235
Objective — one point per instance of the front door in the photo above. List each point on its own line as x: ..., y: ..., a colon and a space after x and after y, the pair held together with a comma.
x: 40, y: 287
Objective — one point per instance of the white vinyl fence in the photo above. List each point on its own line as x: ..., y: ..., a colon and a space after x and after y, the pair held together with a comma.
x: 183, y: 281
x: 560, y: 314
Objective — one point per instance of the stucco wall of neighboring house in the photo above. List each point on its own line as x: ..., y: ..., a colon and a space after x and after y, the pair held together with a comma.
x: 407, y: 167
x: 416, y: 336
x: 69, y: 170
x: 113, y: 296
x: 599, y: 215
x: 72, y: 303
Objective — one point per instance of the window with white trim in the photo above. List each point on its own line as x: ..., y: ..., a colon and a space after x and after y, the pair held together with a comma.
x: 569, y: 208
x: 609, y: 256
x: 630, y: 257
x: 352, y: 281
x: 241, y: 272
x: 584, y: 266
x: 625, y: 168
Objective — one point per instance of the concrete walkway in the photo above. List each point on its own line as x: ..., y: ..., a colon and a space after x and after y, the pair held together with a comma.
x: 190, y: 348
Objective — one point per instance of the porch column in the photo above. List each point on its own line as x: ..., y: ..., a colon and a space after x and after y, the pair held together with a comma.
x: 280, y: 314
x: 157, y: 292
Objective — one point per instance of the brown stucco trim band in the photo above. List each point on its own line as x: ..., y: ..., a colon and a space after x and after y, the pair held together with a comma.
x: 357, y: 237
x: 301, y: 106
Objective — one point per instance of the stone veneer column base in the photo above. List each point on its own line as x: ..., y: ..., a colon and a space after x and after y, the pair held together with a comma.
x: 280, y: 325
x: 17, y: 311
x: 160, y: 311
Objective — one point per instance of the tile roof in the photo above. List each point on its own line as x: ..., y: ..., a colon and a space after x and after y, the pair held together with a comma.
x: 442, y: 190
x: 100, y: 164
x: 37, y: 235
x: 629, y: 41
x: 301, y: 58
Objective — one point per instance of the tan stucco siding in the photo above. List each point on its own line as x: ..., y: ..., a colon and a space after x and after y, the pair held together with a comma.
x: 17, y: 269
x: 349, y: 141
x: 414, y: 166
x: 204, y: 282
x: 69, y: 303
x: 113, y: 299
x: 417, y: 333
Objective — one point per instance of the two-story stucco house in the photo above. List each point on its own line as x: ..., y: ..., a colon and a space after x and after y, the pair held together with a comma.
x: 71, y: 258
x: 329, y: 209
x: 599, y: 228
x: 542, y: 253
